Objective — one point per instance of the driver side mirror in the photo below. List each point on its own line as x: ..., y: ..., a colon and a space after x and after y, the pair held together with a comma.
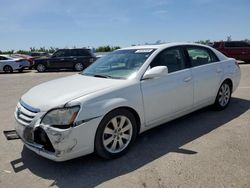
x: 155, y: 72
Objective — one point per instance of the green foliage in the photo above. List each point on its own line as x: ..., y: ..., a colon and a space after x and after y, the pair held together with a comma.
x: 247, y: 40
x: 205, y: 42
x: 32, y: 49
x: 107, y: 48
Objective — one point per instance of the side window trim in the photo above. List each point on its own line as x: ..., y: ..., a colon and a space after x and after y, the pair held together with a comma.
x: 212, y: 55
x: 182, y: 53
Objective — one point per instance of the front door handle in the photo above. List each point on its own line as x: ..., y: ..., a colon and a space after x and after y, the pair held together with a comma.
x: 187, y: 79
x: 62, y: 59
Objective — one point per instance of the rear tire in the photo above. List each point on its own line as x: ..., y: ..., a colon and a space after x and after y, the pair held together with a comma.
x: 78, y: 67
x: 115, y: 134
x: 7, y: 69
x: 223, y: 96
x: 40, y: 67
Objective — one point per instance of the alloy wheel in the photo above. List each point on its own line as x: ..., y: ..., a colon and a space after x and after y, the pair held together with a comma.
x: 79, y: 66
x: 224, y: 95
x: 117, y: 134
x: 41, y: 68
x: 8, y: 69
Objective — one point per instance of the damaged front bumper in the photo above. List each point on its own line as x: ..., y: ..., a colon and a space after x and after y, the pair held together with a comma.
x: 54, y: 143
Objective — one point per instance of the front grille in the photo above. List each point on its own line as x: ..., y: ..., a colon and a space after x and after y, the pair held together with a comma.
x: 24, y: 115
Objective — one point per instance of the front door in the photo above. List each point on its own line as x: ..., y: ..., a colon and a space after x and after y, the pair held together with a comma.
x: 170, y: 94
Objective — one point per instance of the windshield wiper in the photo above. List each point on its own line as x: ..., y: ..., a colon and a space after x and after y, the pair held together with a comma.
x: 102, y: 76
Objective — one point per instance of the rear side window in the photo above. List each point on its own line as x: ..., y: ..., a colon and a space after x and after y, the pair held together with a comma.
x: 80, y: 52
x: 172, y: 58
x: 200, y: 56
x: 236, y: 44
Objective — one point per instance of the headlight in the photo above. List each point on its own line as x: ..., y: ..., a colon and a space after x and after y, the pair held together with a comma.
x: 61, y: 118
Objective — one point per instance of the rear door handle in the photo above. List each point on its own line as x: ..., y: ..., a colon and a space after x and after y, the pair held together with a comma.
x: 62, y: 59
x: 187, y: 79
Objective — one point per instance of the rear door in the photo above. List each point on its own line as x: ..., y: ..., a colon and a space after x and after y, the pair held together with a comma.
x: 165, y: 96
x: 85, y: 57
x: 206, y: 72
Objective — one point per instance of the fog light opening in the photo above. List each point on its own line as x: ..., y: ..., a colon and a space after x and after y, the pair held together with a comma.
x: 40, y: 137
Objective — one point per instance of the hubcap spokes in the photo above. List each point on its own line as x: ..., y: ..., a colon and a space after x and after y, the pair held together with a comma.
x: 224, y: 95
x: 40, y: 68
x: 117, y: 134
x: 79, y: 66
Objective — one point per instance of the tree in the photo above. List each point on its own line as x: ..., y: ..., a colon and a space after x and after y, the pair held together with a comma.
x: 107, y: 48
x: 205, y: 42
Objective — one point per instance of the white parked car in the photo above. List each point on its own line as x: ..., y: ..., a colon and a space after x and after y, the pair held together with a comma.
x: 128, y: 91
x: 10, y: 63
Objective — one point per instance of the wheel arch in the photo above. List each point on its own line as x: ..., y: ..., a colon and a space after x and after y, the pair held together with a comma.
x: 131, y: 110
x: 229, y: 80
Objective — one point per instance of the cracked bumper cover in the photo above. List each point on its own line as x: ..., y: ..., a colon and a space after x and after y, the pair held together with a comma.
x: 67, y: 143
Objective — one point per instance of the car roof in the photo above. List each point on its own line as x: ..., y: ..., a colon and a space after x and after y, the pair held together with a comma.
x: 163, y: 46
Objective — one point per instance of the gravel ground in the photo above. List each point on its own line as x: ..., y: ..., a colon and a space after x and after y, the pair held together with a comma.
x: 204, y: 149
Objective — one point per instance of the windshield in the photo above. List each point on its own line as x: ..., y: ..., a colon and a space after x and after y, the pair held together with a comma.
x: 119, y: 64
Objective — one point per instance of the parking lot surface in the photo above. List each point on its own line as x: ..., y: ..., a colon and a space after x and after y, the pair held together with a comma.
x: 204, y: 149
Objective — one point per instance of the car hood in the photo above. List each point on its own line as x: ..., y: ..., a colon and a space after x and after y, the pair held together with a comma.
x: 58, y: 92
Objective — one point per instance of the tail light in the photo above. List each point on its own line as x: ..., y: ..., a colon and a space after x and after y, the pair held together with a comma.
x: 237, y: 64
x: 19, y: 60
x: 31, y: 62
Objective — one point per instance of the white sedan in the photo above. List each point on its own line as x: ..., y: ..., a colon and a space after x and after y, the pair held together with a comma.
x: 10, y: 63
x: 125, y: 93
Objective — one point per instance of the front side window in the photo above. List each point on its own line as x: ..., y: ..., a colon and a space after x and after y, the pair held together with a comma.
x: 200, y: 56
x: 172, y: 58
x: 119, y: 64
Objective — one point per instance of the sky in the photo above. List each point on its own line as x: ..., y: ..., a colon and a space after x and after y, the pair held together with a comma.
x: 82, y: 23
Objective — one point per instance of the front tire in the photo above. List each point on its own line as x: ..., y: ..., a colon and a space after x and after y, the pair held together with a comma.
x: 40, y: 68
x: 224, y: 96
x: 115, y: 134
x: 7, y: 69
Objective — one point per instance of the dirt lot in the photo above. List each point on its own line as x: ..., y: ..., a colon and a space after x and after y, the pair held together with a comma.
x: 204, y: 149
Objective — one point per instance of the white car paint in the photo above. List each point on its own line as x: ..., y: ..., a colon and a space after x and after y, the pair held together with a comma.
x: 14, y: 62
x: 154, y: 100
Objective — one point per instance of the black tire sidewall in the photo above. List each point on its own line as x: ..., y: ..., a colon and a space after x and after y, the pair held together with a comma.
x: 99, y: 147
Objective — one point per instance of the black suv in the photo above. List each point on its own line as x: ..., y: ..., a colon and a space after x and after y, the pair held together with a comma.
x: 76, y: 59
